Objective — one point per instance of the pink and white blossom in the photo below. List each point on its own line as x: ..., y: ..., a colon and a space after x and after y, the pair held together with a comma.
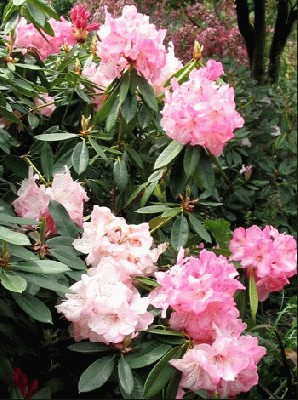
x: 45, y: 104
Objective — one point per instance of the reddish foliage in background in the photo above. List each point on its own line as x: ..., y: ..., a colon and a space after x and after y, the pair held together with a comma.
x: 217, y: 31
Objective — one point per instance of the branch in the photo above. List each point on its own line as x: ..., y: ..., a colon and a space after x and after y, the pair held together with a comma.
x: 245, y: 27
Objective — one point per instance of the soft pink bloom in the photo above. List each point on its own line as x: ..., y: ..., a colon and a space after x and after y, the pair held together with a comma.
x: 45, y: 104
x: 200, y: 111
x: 215, y: 367
x: 172, y: 65
x: 132, y: 40
x: 247, y: 171
x: 106, y: 235
x: 270, y: 254
x: 194, y: 283
x: 212, y: 70
x: 33, y: 199
x: 27, y: 36
x: 70, y: 194
x: 104, y: 309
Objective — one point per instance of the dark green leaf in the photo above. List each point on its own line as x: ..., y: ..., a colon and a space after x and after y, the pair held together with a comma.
x: 191, y: 159
x: 153, y: 209
x: 33, y: 120
x: 220, y: 229
x: 205, y: 172
x: 56, y: 137
x: 129, y: 108
x: 41, y: 266
x: 96, y: 374
x: 47, y: 160
x: 113, y: 115
x: 161, y: 374
x: 145, y: 116
x: 47, y: 282
x: 146, y: 353
x: 199, y: 228
x: 179, y: 232
x: 125, y: 376
x: 89, y: 347
x: 147, y: 93
x: 124, y: 86
x: 32, y: 306
x: 120, y: 174
x: 80, y: 157
x: 16, y: 238
x: 65, y: 225
x: 168, y: 154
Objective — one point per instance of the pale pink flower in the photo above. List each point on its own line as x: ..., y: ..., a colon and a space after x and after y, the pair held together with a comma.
x: 214, y: 367
x: 196, y: 282
x: 104, y: 309
x: 106, y: 235
x: 200, y: 111
x: 70, y: 194
x: 132, y: 40
x: 45, y: 104
x: 172, y: 65
x: 27, y: 37
x: 270, y: 254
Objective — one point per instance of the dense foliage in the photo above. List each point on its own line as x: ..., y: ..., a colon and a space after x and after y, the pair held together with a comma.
x: 128, y: 258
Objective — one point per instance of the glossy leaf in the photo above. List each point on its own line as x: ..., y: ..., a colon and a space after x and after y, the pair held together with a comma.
x: 146, y: 354
x: 41, y: 266
x: 199, y: 228
x: 13, y: 282
x: 89, y: 347
x: 147, y: 93
x: 34, y: 307
x: 168, y: 154
x: 125, y: 376
x: 96, y: 374
x: 191, y: 159
x: 56, y: 137
x: 120, y: 174
x: 62, y: 220
x: 153, y: 209
x: 80, y: 157
x: 13, y: 237
x: 129, y: 108
x: 47, y: 160
x: 179, y: 232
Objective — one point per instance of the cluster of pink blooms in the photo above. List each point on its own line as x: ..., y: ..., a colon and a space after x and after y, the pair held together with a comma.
x: 199, y: 291
x: 131, y: 40
x: 271, y: 256
x: 33, y: 199
x: 65, y: 33
x: 104, y: 306
x: 200, y: 111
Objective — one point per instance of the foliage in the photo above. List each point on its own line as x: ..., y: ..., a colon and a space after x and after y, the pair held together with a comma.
x: 120, y: 155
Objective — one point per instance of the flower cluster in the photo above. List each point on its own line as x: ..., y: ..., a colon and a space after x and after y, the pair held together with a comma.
x: 200, y: 292
x: 131, y: 246
x: 200, y: 111
x: 28, y: 37
x: 270, y: 255
x: 104, y: 306
x: 132, y: 40
x: 33, y: 200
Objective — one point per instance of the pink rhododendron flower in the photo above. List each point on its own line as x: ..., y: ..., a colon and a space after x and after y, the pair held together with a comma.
x: 247, y: 171
x: 33, y: 200
x: 109, y: 236
x: 70, y: 194
x: 200, y: 111
x: 45, y: 104
x: 225, y: 362
x: 194, y: 283
x: 27, y: 36
x: 172, y: 65
x: 132, y: 40
x: 269, y: 254
x: 79, y: 16
x: 104, y: 309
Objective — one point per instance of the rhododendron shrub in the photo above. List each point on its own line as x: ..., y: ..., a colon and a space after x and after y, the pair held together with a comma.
x: 119, y: 275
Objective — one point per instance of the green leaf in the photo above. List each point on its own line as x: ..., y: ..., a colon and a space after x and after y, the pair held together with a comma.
x: 38, y: 16
x: 253, y: 296
x: 191, y: 159
x: 120, y: 174
x: 148, y: 192
x: 89, y: 347
x: 47, y: 267
x: 205, y: 172
x: 82, y: 94
x: 135, y: 194
x: 33, y: 120
x: 4, y: 218
x: 220, y: 229
x: 13, y: 282
x: 129, y: 108
x: 147, y: 93
x: 172, y: 387
x: 46, y: 282
x: 160, y: 375
x: 125, y: 376
x: 124, y: 86
x: 145, y: 116
x: 199, y: 228
x: 113, y: 115
x: 47, y: 160
x: 42, y: 394
x: 164, y: 331
x: 168, y: 154
x: 104, y: 109
x: 13, y: 237
x: 96, y: 374
x: 44, y: 6
x: 179, y: 232
x: 32, y: 306
x: 65, y: 225
x: 153, y: 209
x: 146, y: 353
x: 80, y: 157
x: 56, y: 137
